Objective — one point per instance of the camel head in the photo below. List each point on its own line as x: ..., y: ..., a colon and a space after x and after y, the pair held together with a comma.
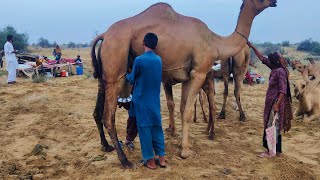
x: 299, y: 87
x: 297, y: 65
x: 259, y: 5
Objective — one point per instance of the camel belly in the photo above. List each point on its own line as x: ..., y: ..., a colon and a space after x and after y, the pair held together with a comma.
x: 176, y: 76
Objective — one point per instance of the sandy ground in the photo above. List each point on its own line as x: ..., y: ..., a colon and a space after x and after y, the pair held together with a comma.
x: 58, y: 115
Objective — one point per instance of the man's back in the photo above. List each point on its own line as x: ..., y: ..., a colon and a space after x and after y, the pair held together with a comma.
x: 150, y: 76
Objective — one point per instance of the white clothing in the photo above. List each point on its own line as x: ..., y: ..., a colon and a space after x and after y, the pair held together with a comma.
x: 12, y: 62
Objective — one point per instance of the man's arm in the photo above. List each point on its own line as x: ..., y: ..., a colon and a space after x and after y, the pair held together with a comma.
x: 134, y: 73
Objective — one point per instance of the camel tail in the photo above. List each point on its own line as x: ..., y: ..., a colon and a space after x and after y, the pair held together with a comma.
x: 96, y: 61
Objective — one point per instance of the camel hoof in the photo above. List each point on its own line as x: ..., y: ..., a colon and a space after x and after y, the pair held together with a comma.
x: 170, y: 129
x: 211, y: 136
x: 222, y: 116
x: 127, y: 164
x: 107, y: 148
x: 185, y: 153
x: 242, y: 118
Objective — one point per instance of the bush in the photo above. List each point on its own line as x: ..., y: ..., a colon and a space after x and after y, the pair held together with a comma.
x: 71, y: 45
x: 309, y: 46
x: 285, y: 43
x: 40, y: 78
x: 267, y: 48
x: 44, y: 43
x: 20, y: 41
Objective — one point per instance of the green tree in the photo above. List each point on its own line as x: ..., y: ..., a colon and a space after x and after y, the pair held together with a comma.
x: 20, y: 40
x: 44, y: 43
x: 71, y: 45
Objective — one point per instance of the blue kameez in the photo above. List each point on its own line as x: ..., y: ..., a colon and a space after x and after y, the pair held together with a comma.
x: 146, y: 76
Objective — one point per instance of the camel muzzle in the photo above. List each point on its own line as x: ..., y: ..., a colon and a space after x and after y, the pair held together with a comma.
x: 273, y: 4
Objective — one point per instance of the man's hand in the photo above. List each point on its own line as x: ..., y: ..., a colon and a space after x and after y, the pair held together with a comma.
x: 276, y: 107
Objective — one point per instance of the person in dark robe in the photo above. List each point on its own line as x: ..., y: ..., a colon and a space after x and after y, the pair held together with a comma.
x: 278, y: 98
x: 146, y: 76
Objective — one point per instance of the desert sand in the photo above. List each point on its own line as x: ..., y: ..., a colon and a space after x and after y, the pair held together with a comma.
x: 57, y: 115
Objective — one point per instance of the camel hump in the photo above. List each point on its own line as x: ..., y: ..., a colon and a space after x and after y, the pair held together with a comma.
x: 160, y: 9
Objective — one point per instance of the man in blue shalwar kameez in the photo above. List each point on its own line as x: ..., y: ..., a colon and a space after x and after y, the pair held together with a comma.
x: 146, y: 76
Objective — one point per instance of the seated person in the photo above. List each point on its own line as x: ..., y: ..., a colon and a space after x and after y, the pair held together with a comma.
x: 57, y: 54
x: 78, y: 60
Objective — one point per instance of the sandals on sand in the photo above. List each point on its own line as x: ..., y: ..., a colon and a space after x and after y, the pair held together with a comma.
x: 159, y: 164
x: 145, y: 163
x: 264, y: 155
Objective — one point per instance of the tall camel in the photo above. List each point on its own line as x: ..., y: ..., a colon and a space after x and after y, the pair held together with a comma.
x: 239, y: 67
x: 188, y: 49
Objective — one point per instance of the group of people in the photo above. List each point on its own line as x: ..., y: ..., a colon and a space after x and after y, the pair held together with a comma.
x: 144, y: 109
x: 12, y: 63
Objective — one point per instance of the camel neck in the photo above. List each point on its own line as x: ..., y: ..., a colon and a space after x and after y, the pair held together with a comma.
x: 233, y: 44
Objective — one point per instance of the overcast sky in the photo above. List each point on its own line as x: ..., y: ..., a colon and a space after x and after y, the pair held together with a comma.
x: 78, y: 20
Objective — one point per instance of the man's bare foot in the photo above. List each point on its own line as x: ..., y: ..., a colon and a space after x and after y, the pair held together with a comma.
x: 151, y: 164
x: 162, y: 161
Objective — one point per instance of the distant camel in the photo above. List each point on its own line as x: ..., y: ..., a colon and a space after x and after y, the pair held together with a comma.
x: 239, y: 66
x: 312, y: 69
x: 188, y: 49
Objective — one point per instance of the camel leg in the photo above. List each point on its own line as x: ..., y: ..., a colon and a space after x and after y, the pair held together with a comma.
x: 201, y: 100
x: 208, y: 87
x: 238, y: 78
x: 98, y: 113
x: 112, y: 90
x: 312, y: 118
x: 171, y: 106
x: 195, y: 112
x: 226, y: 76
x: 190, y: 90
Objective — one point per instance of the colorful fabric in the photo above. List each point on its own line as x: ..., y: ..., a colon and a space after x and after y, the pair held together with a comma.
x: 278, y: 134
x: 278, y: 83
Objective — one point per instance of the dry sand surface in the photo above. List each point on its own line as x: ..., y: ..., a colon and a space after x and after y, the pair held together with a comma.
x: 58, y: 116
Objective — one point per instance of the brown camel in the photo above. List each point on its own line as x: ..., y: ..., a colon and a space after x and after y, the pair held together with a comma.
x: 188, y: 49
x: 312, y: 69
x: 238, y: 66
x: 308, y: 94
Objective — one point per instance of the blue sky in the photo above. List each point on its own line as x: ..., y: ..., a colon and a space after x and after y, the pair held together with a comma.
x: 78, y: 20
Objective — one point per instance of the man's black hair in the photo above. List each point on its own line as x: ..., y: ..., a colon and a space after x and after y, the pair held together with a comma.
x: 9, y: 37
x: 150, y: 40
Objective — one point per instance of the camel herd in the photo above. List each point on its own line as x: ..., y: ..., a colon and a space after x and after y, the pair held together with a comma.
x: 188, y: 49
x: 307, y: 90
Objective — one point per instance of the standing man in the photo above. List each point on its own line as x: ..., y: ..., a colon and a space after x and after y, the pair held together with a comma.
x: 146, y: 76
x: 12, y: 62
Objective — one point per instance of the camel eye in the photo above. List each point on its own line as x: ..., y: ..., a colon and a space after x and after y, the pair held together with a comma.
x: 303, y: 86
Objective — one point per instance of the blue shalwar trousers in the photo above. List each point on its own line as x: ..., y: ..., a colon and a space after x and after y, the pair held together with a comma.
x: 151, y: 141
